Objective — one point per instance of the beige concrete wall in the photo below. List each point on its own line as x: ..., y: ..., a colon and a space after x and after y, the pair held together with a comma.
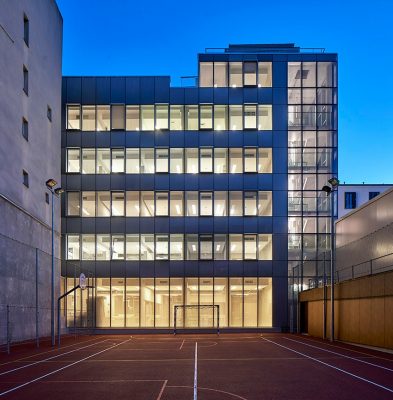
x: 363, y: 310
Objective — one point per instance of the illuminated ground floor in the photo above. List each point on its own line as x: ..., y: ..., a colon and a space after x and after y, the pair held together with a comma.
x: 150, y: 302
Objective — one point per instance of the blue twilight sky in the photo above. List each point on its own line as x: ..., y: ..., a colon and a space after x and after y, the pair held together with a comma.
x: 127, y: 37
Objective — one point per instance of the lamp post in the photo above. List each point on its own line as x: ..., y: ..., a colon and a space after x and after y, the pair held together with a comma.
x: 50, y: 184
x: 329, y: 190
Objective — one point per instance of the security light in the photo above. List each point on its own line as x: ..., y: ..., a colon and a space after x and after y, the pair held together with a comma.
x: 334, y: 182
x: 327, y: 189
x: 59, y: 190
x: 50, y: 183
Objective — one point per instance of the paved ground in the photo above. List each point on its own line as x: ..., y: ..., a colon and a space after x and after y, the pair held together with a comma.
x: 228, y: 367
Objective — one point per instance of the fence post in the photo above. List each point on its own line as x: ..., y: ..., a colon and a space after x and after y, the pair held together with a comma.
x: 8, y: 330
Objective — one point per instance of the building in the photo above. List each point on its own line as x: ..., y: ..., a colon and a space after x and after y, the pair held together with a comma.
x: 351, y: 196
x: 200, y: 195
x: 30, y: 152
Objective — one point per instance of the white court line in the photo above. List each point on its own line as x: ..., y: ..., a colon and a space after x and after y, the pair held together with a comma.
x: 162, y: 390
x: 196, y: 372
x: 341, y: 355
x: 50, y: 358
x: 331, y: 366
x: 62, y: 368
x: 182, y: 343
x: 49, y: 351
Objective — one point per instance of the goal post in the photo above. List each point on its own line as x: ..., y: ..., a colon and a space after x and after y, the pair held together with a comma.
x: 197, y: 316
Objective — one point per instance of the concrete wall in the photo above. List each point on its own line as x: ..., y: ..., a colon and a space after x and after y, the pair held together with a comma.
x: 362, y: 310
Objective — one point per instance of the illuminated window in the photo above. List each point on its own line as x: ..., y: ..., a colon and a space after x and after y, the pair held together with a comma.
x: 235, y: 74
x: 176, y: 204
x: 250, y: 203
x: 73, y: 160
x: 88, y: 204
x: 220, y: 118
x: 132, y: 204
x: 162, y: 112
x: 220, y: 204
x: 192, y: 247
x: 176, y: 162
x: 236, y: 247
x: 265, y: 160
x: 147, y: 204
x: 206, y: 160
x: 220, y: 74
x: 118, y: 160
x: 191, y: 114
x: 206, y: 117
x: 88, y: 118
x: 250, y: 160
x: 162, y: 247
x: 206, y: 203
x: 117, y: 204
x: 73, y: 117
x: 250, y: 117
x: 265, y: 118
x: 103, y: 161
x: 192, y: 161
x: 206, y: 247
x: 73, y: 204
x: 73, y: 247
x: 177, y: 118
x: 250, y: 73
x: 235, y: 161
x: 118, y: 117
x: 162, y: 204
x: 264, y: 74
x: 235, y: 118
x: 206, y: 74
x: 103, y: 118
x: 192, y: 204
x: 147, y: 117
x: 220, y: 161
x: 118, y: 247
x: 88, y: 161
x: 132, y: 161
x: 132, y: 118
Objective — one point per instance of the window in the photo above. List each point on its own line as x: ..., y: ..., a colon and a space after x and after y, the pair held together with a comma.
x: 250, y: 203
x: 147, y: 116
x: 235, y: 74
x: 103, y: 247
x: 88, y: 247
x: 235, y: 161
x: 264, y: 204
x: 162, y: 112
x: 176, y: 162
x: 220, y: 74
x: 162, y: 204
x: 103, y: 204
x: 132, y: 204
x: 250, y: 160
x: 162, y: 159
x: 371, y: 195
x: 147, y: 247
x: 265, y: 248
x: 192, y: 161
x: 235, y: 204
x: 327, y: 74
x: 132, y: 161
x: 206, y: 247
x: 250, y: 73
x: 103, y: 161
x: 25, y: 178
x: 73, y: 117
x: 47, y: 198
x: 192, y: 204
x: 265, y: 118
x: 88, y: 118
x: 73, y: 204
x: 265, y: 161
x: 220, y: 118
x: 73, y: 161
x: 88, y: 161
x: 236, y: 247
x: 176, y: 247
x: 220, y: 204
x: 118, y: 247
x: 191, y: 114
x: 309, y: 74
x: 235, y: 118
x: 176, y: 204
x: 49, y: 113
x: 250, y: 117
x: 103, y: 118
x: 132, y: 118
x: 250, y: 247
x: 220, y: 161
x: 88, y: 204
x: 118, y: 160
x: 118, y: 117
x: 206, y: 74
x: 132, y: 247
x: 147, y: 161
x: 264, y: 74
x: 294, y: 74
x: 73, y: 245
x: 206, y: 120
x: 177, y: 118
x: 220, y: 247
x: 117, y: 204
x: 26, y: 29
x: 350, y: 200
x: 206, y: 160
x: 25, y: 129
x: 192, y: 247
x: 162, y: 247
x: 25, y: 80
x: 147, y: 204
x: 206, y: 203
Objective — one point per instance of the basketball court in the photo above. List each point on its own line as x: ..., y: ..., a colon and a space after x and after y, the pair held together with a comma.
x: 208, y: 367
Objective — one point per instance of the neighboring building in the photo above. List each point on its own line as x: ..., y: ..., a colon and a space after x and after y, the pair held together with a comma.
x: 351, y: 196
x: 30, y: 151
x: 200, y: 195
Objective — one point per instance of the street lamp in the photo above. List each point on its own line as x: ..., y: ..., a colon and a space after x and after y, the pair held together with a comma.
x: 50, y: 184
x: 329, y: 189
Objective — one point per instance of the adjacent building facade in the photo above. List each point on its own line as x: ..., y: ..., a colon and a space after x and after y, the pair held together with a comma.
x: 204, y: 195
x: 30, y: 151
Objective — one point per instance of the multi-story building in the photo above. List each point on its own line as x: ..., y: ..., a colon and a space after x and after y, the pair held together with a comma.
x: 199, y: 195
x: 351, y: 196
x: 30, y: 152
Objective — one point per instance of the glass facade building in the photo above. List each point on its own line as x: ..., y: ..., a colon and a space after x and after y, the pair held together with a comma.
x: 200, y: 195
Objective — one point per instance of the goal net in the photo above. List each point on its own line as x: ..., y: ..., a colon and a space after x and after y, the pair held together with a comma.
x: 205, y: 316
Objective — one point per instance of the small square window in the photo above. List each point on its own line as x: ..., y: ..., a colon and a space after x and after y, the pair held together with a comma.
x: 26, y: 29
x: 371, y: 195
x: 49, y: 113
x: 25, y: 178
x: 25, y: 128
x: 47, y: 198
x: 25, y: 80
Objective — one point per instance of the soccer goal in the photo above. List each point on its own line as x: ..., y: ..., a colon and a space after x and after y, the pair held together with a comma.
x: 197, y: 316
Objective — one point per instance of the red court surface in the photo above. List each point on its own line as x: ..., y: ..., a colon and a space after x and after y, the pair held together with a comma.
x: 225, y: 367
